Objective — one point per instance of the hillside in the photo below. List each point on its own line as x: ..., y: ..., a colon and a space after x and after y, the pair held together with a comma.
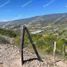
x: 60, y: 18
x: 46, y: 31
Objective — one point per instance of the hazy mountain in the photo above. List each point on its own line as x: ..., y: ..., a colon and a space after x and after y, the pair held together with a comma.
x: 45, y: 19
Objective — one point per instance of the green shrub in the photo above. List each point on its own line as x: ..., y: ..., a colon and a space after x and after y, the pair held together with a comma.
x: 3, y: 40
x: 9, y: 33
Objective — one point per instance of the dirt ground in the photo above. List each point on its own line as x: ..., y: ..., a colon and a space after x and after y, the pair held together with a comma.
x: 10, y: 57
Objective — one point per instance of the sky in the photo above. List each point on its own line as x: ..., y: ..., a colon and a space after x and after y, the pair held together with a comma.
x: 19, y: 9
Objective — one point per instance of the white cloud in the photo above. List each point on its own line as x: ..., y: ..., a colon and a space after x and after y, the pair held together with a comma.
x: 27, y: 3
x: 49, y: 3
x: 5, y: 3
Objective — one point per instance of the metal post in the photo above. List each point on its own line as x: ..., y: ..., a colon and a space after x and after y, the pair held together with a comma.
x: 36, y: 52
x: 54, y: 51
x: 22, y: 43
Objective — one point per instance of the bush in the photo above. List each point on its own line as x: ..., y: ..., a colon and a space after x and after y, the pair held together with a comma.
x: 3, y: 40
x: 9, y: 33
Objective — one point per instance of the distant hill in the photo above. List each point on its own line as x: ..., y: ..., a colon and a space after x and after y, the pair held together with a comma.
x: 59, y: 18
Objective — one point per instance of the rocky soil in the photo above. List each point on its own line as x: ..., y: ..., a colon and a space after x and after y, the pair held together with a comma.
x: 10, y: 57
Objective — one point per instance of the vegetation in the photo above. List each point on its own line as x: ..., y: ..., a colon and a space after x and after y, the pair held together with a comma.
x: 45, y: 43
x: 3, y: 40
x: 7, y: 32
x: 52, y: 31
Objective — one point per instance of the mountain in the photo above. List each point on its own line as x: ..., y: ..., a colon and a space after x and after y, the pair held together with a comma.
x: 59, y: 18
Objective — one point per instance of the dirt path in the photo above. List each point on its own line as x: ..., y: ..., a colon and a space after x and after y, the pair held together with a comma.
x: 10, y: 57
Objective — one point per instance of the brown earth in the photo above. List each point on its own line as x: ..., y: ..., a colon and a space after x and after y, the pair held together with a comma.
x: 10, y: 57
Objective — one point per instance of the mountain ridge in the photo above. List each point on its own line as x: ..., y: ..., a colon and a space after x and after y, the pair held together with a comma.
x: 51, y: 18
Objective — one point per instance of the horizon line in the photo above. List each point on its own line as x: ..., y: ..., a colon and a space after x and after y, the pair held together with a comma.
x: 31, y: 17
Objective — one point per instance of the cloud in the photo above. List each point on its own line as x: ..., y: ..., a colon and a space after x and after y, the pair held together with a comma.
x: 17, y: 17
x: 49, y: 3
x: 27, y: 3
x: 65, y: 6
x: 5, y: 3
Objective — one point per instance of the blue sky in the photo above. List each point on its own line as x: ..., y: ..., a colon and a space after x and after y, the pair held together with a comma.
x: 19, y: 9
